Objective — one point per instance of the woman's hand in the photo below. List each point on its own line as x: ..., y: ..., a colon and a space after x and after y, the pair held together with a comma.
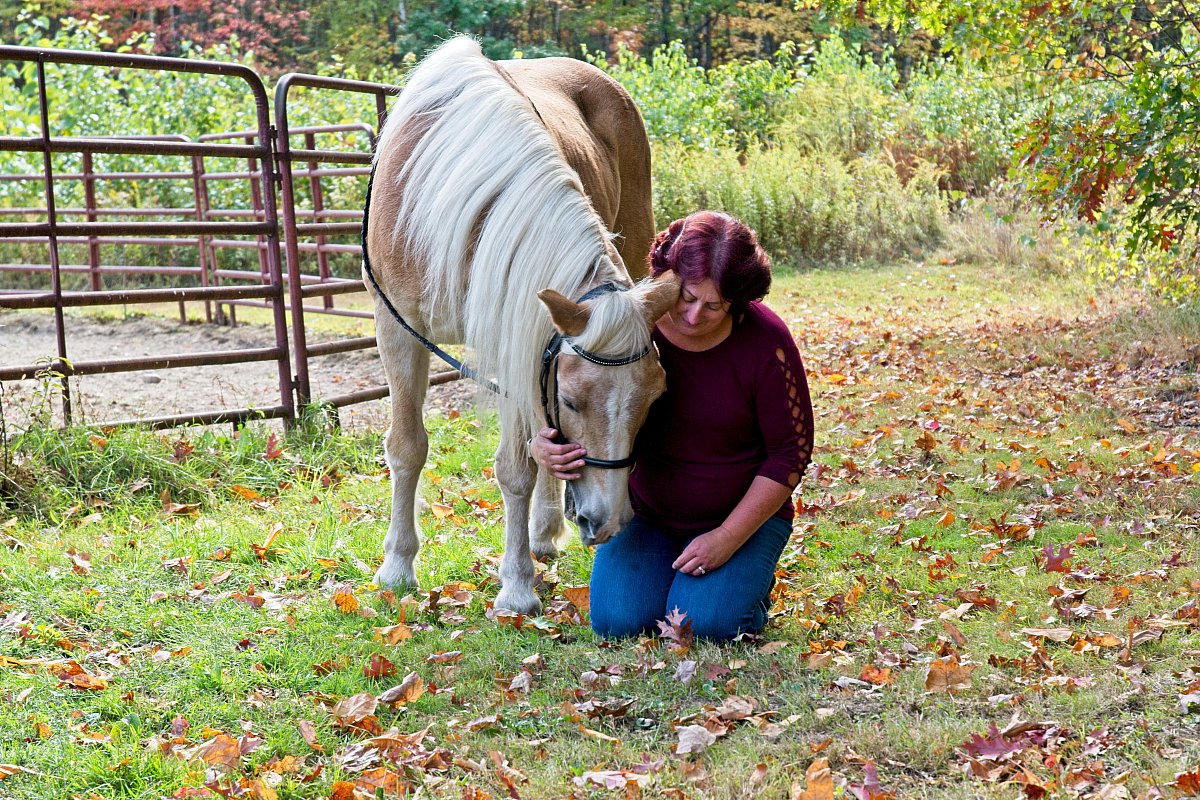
x: 708, y: 551
x: 560, y: 460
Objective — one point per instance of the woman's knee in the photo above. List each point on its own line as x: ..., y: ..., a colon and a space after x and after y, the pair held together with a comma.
x: 720, y: 625
x: 619, y: 624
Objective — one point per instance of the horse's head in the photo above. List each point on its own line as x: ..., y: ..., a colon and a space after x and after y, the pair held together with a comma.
x: 604, y: 394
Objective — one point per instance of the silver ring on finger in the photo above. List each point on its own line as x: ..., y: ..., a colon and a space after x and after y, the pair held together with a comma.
x: 700, y: 570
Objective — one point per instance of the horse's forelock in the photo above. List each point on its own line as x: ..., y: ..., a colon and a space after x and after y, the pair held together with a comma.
x: 617, y: 325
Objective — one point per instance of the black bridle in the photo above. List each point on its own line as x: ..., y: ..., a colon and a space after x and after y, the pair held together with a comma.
x: 550, y: 370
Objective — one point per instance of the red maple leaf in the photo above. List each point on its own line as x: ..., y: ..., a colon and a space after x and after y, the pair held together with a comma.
x: 993, y: 746
x: 274, y: 448
x: 378, y: 667
x: 1056, y: 562
x: 870, y: 789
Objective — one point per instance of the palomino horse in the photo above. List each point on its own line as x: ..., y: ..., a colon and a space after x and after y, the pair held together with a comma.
x: 496, y: 186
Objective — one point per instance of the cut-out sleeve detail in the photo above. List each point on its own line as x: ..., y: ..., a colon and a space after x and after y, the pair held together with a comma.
x: 785, y: 414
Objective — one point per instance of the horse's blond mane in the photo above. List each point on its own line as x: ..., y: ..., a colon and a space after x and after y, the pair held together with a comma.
x: 487, y: 195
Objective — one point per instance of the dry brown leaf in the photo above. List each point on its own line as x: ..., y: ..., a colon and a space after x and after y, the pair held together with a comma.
x: 1053, y: 634
x: 818, y: 782
x: 580, y: 597
x: 735, y: 708
x: 694, y: 739
x: 948, y: 675
x: 411, y: 688
x: 354, y: 708
x: 221, y: 750
x: 309, y: 732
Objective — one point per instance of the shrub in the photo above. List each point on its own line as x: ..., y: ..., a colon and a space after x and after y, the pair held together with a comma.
x: 734, y: 105
x: 806, y: 207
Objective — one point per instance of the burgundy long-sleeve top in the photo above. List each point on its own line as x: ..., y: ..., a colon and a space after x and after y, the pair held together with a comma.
x: 730, y: 413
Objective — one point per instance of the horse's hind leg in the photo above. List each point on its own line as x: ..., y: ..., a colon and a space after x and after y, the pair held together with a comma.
x: 548, y: 530
x: 406, y: 364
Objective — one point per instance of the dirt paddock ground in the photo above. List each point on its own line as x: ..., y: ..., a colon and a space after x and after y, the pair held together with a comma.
x: 27, y: 337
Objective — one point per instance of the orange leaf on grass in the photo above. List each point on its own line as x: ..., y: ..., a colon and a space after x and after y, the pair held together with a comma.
x: 393, y: 634
x: 1188, y: 782
x: 70, y: 674
x: 580, y: 597
x: 245, y: 492
x: 344, y: 600
x: 221, y: 750
x: 876, y: 675
x: 818, y: 782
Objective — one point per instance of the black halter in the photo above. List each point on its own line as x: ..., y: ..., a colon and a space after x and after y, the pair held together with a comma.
x: 550, y: 369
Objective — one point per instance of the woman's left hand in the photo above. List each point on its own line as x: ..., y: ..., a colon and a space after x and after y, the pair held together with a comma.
x: 707, y: 552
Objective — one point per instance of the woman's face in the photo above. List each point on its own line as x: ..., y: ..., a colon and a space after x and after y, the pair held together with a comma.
x: 700, y: 311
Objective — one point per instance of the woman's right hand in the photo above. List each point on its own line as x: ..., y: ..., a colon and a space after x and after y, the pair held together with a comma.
x: 560, y: 460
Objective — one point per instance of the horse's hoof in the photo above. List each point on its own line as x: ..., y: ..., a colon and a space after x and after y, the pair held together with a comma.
x: 522, y: 601
x: 394, y: 576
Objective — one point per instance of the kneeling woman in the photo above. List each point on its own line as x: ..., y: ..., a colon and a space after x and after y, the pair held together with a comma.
x: 720, y: 453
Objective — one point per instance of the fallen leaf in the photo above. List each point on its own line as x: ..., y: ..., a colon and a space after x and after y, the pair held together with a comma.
x: 221, y: 750
x: 580, y: 597
x: 694, y: 739
x: 1059, y: 635
x: 946, y: 674
x: 411, y: 688
x: 818, y: 782
x: 604, y: 737
x: 378, y: 667
x: 354, y: 708
x: 393, y: 634
x: 344, y: 600
x: 309, y: 732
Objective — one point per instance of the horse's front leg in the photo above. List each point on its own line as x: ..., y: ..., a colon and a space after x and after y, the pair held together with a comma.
x: 517, y: 474
x: 405, y: 447
x: 548, y: 530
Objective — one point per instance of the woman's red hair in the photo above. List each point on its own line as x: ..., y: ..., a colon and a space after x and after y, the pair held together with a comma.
x: 709, y: 244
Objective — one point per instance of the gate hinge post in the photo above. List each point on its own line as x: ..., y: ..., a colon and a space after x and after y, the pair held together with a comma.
x: 273, y: 134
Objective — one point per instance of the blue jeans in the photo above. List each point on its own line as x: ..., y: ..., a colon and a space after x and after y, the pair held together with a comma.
x: 634, y: 586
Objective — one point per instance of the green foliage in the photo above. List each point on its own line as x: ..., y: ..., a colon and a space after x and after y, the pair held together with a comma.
x: 736, y: 104
x: 806, y: 207
x: 1101, y: 249
x: 844, y: 103
x: 1127, y: 99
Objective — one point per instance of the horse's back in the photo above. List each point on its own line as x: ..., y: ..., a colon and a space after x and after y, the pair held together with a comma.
x: 600, y: 132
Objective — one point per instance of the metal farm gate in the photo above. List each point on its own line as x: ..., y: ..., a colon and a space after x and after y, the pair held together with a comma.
x: 286, y: 223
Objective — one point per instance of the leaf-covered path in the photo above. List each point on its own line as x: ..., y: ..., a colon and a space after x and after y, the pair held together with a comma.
x: 991, y: 591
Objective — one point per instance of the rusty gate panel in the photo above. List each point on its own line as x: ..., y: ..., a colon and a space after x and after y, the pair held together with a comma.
x: 257, y: 149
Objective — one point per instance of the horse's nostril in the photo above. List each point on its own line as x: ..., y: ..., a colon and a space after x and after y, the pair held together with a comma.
x: 587, y: 530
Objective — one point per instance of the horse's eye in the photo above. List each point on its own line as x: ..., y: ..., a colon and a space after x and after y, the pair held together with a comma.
x: 570, y: 404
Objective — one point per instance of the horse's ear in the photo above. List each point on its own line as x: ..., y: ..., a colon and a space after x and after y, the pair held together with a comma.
x: 570, y: 318
x: 662, y: 295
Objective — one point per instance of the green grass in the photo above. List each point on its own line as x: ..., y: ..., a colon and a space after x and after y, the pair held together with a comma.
x: 188, y: 621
